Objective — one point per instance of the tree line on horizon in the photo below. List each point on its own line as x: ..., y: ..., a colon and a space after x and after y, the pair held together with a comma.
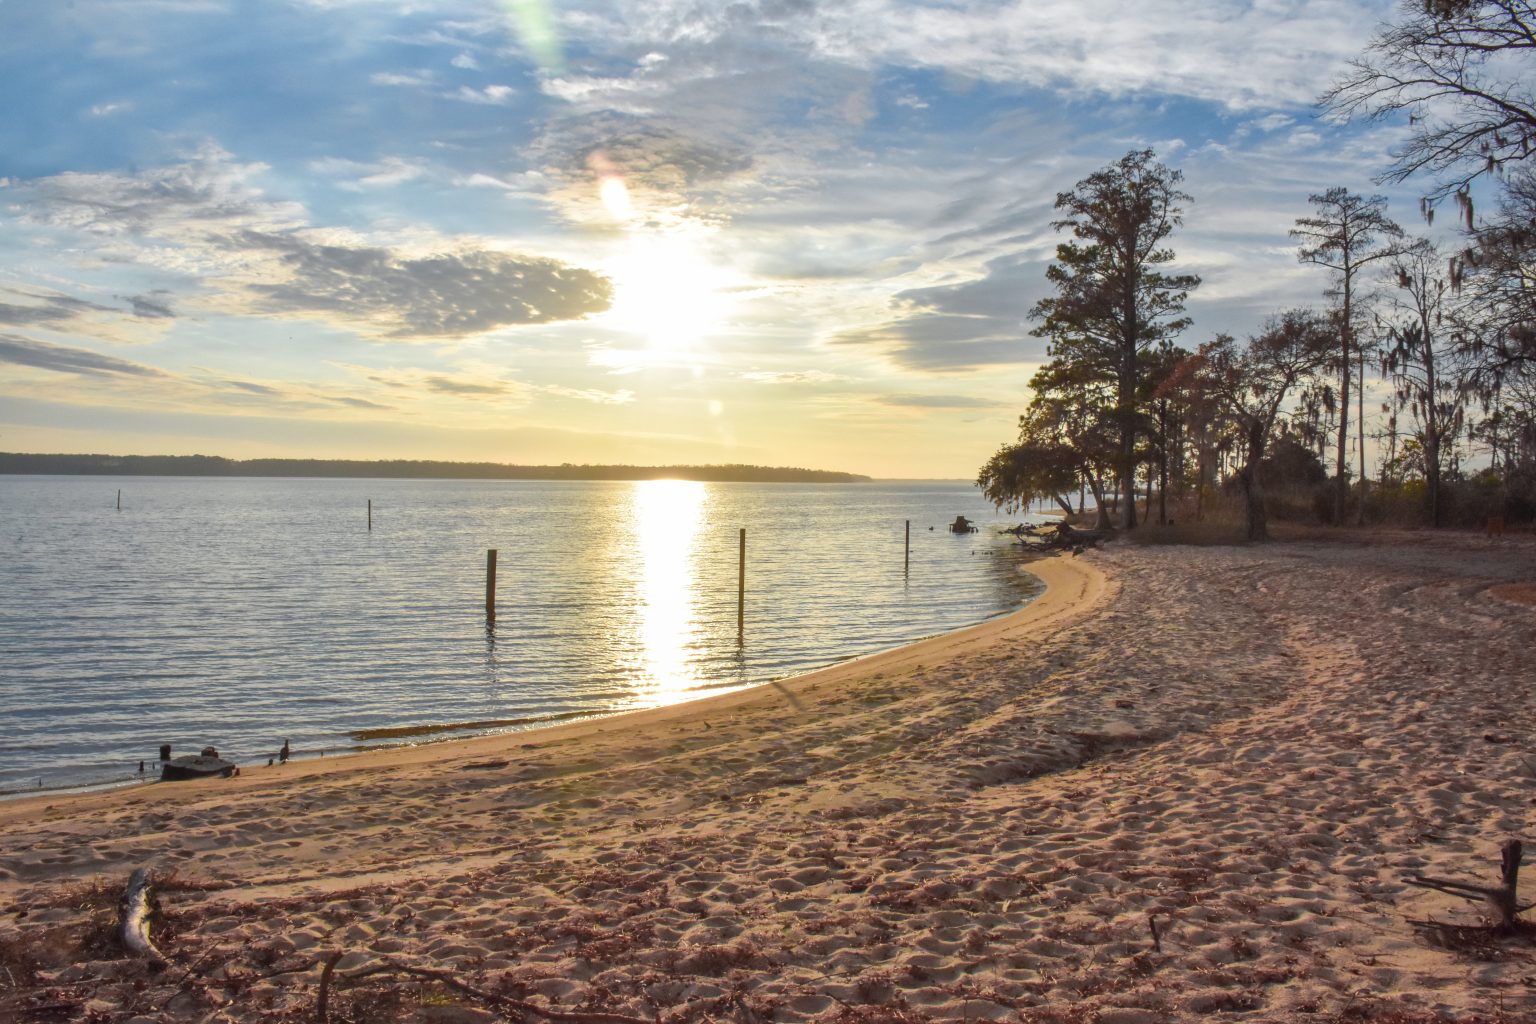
x: 214, y: 465
x: 1120, y: 406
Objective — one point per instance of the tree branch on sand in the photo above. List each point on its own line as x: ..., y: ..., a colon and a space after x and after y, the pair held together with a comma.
x: 389, y: 965
x: 1502, y: 898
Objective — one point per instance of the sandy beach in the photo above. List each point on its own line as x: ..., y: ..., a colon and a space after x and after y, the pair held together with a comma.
x: 1187, y: 783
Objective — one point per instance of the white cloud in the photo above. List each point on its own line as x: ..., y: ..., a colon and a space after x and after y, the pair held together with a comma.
x: 491, y: 95
x: 394, y: 78
x: 357, y: 175
x: 466, y: 61
x: 1238, y: 54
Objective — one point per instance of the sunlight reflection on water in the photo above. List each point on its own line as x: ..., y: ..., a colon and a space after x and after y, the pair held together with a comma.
x: 242, y: 612
x: 667, y: 517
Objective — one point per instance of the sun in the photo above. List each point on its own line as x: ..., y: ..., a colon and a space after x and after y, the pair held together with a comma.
x: 669, y: 289
x: 668, y: 292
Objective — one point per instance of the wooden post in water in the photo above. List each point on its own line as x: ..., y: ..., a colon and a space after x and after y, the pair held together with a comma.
x: 370, y: 515
x: 906, y: 550
x: 490, y: 583
x: 119, y: 499
x: 741, y: 586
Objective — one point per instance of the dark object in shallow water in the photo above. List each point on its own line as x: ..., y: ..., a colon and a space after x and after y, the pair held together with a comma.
x: 199, y: 767
x: 962, y: 525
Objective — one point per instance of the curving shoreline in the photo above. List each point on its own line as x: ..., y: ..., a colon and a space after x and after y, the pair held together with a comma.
x: 1066, y: 584
x: 1250, y: 746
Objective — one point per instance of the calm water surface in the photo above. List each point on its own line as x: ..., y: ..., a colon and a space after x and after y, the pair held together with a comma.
x: 240, y: 612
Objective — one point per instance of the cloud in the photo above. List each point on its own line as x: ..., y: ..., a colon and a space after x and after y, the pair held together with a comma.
x: 209, y: 191
x: 208, y: 218
x: 940, y: 343
x: 1230, y: 52
x: 647, y: 156
x: 939, y: 402
x: 594, y: 395
x: 358, y: 175
x: 151, y: 308
x: 43, y: 355
x: 791, y: 377
x: 491, y: 95
x: 397, y: 80
x: 449, y: 294
x: 54, y: 309
x: 108, y: 109
x: 469, y: 388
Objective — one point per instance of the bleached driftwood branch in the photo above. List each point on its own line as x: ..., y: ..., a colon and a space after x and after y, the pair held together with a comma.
x: 133, y: 918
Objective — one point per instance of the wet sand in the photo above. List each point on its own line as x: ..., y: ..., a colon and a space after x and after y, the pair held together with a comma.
x: 1248, y: 746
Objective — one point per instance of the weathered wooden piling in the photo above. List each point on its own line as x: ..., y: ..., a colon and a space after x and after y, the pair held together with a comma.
x: 906, y: 549
x: 119, y: 499
x: 370, y: 515
x: 490, y: 583
x: 741, y: 586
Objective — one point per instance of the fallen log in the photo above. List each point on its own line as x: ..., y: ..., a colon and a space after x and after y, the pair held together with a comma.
x: 1064, y: 537
x: 133, y: 918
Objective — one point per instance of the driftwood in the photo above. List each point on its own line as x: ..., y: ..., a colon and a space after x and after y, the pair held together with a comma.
x: 388, y: 965
x: 1502, y: 898
x: 133, y: 918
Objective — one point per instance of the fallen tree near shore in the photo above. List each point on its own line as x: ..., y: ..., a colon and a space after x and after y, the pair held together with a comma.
x: 1059, y: 537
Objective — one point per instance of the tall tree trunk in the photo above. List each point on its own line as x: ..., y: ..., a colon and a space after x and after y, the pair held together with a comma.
x: 1341, y: 485
x: 1102, y: 522
x: 1360, y: 393
x: 1127, y: 416
x: 1432, y: 431
x: 1253, y: 490
x: 1162, y: 469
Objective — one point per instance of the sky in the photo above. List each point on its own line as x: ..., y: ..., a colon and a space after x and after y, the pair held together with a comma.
x: 781, y: 232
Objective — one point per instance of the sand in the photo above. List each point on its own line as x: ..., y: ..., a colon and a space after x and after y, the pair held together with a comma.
x: 1251, y: 747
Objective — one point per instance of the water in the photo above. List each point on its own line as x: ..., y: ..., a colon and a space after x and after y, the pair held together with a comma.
x: 242, y: 612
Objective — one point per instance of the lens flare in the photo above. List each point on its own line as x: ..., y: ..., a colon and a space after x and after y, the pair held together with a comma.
x: 610, y: 187
x: 533, y: 22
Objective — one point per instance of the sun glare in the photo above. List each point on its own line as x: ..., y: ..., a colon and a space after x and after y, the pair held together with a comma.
x: 668, y: 292
x: 667, y: 515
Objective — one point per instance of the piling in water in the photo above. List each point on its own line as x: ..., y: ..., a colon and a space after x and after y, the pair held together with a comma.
x: 741, y: 586
x: 490, y: 583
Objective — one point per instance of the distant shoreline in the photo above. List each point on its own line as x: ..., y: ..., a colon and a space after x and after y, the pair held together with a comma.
x: 397, y: 469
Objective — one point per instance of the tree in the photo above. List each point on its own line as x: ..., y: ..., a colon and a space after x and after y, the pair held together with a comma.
x: 1112, y: 303
x: 1425, y: 378
x: 1499, y: 275
x: 1463, y: 71
x: 1250, y: 386
x: 1348, y: 233
x: 1066, y: 438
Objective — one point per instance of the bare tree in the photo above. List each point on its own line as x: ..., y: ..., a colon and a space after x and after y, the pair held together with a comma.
x: 1425, y: 374
x: 1464, y: 71
x: 1348, y: 233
